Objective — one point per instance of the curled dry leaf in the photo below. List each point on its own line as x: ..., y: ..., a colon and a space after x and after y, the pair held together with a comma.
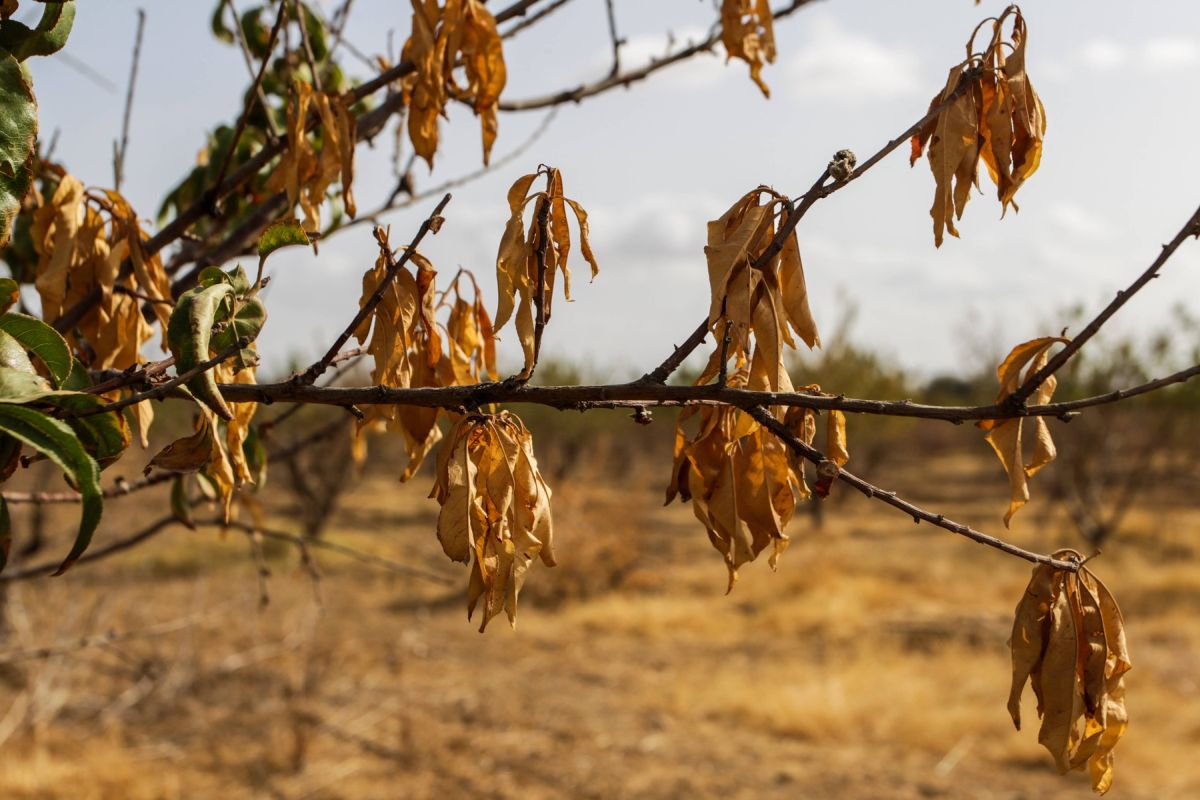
x: 750, y: 297
x: 303, y: 172
x: 405, y: 340
x: 998, y: 117
x: 742, y: 481
x: 202, y: 452
x: 495, y: 509
x: 747, y: 32
x: 517, y: 259
x: 1004, y: 435
x: 458, y: 33
x: 1068, y: 641
x: 81, y: 239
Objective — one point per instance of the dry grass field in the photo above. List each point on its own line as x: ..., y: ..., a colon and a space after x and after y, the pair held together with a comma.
x: 872, y: 665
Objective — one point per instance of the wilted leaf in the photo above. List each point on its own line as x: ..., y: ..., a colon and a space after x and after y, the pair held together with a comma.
x: 1005, y: 435
x: 747, y: 32
x: 997, y: 117
x: 188, y: 335
x: 42, y: 341
x: 1069, y: 641
x: 459, y: 33
x: 517, y: 257
x: 495, y: 509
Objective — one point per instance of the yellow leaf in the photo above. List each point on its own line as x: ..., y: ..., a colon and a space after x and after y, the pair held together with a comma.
x: 747, y: 33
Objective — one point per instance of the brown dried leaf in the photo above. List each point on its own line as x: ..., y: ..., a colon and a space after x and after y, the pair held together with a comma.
x: 1069, y: 640
x: 747, y: 32
x: 1005, y: 435
x: 495, y: 509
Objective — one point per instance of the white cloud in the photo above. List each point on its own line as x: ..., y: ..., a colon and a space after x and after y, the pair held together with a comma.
x: 834, y: 62
x: 1077, y: 221
x: 1103, y: 54
x: 1167, y: 54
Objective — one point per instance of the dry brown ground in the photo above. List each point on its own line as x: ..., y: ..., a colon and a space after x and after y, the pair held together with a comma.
x: 872, y: 665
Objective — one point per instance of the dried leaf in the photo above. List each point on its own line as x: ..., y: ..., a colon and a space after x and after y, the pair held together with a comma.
x: 1005, y: 435
x: 1069, y: 642
x: 747, y: 33
x: 495, y: 509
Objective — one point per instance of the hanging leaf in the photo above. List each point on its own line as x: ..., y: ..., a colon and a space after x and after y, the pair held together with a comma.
x: 747, y: 32
x: 58, y: 442
x: 1068, y: 640
x: 495, y: 509
x: 189, y: 333
x: 1005, y: 435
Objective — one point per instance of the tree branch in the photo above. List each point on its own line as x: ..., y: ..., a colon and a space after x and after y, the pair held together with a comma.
x: 120, y: 150
x: 917, y: 513
x: 1026, y: 390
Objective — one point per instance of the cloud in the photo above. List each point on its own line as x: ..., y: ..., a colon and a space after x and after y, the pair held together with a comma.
x: 1077, y: 221
x: 1103, y: 54
x: 1161, y: 54
x: 1168, y: 54
x: 701, y: 71
x: 834, y: 63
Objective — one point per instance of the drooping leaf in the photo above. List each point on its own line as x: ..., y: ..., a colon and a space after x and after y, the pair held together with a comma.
x: 189, y: 334
x: 495, y: 509
x: 58, y: 442
x: 18, y: 134
x: 1069, y: 642
x: 10, y: 293
x: 747, y: 33
x: 1005, y: 435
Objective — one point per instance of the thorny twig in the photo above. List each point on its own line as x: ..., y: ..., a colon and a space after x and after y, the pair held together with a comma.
x: 1026, y: 390
x: 917, y: 513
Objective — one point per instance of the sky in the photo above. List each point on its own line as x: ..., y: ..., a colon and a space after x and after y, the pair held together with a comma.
x: 653, y: 163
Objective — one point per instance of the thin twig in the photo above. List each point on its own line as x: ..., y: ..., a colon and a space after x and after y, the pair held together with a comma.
x: 787, y: 224
x: 584, y: 91
x: 432, y: 222
x: 1026, y: 390
x: 918, y: 514
x: 248, y: 57
x: 539, y: 297
x: 120, y: 150
x: 307, y: 45
x: 617, y: 41
x: 533, y: 19
x: 248, y: 106
x: 166, y: 388
x: 333, y: 547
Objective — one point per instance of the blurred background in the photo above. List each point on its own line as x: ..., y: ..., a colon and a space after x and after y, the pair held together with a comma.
x: 874, y: 664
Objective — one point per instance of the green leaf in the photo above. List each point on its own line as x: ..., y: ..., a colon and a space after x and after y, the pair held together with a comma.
x: 18, y: 134
x: 5, y: 532
x: 14, y: 357
x: 48, y: 37
x: 59, y: 443
x: 189, y: 333
x: 105, y: 436
x: 280, y: 234
x: 20, y: 385
x: 246, y: 323
x: 78, y: 380
x: 10, y: 293
x: 44, y: 342
x: 181, y: 508
x: 220, y: 30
